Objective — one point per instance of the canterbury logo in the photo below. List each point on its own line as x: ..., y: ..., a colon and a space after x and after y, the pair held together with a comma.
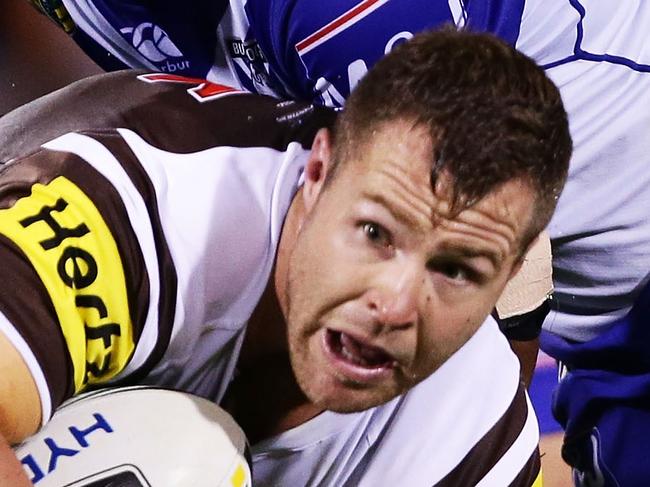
x: 152, y: 42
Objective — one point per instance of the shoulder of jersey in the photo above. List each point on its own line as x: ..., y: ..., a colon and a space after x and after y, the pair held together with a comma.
x: 176, y: 113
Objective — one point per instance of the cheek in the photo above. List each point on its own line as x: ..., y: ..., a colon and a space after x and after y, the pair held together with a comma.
x: 445, y: 333
x: 326, y: 257
x: 316, y: 274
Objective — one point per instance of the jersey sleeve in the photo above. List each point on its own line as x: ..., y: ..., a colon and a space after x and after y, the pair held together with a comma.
x: 165, y: 35
x: 76, y: 288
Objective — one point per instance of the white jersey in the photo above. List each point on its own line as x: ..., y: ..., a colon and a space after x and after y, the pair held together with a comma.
x: 599, y: 56
x: 596, y: 51
x: 137, y: 255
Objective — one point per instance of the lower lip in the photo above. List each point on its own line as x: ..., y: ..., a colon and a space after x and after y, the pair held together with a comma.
x: 351, y: 371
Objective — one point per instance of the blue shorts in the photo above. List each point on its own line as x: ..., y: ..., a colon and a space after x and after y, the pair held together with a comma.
x: 603, y: 402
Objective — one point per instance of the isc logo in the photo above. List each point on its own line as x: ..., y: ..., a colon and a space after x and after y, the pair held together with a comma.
x: 45, y: 456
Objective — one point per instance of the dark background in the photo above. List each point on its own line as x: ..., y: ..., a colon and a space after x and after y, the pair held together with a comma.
x: 36, y: 56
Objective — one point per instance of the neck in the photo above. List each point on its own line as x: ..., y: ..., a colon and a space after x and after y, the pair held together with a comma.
x: 264, y: 397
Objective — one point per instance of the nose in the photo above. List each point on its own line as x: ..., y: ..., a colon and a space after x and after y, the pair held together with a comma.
x: 395, y: 297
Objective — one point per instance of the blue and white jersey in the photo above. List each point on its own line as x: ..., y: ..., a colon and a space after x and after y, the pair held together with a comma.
x: 596, y: 51
x: 299, y: 48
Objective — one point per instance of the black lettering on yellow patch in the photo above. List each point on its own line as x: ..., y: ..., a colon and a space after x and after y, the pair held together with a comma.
x: 74, y: 253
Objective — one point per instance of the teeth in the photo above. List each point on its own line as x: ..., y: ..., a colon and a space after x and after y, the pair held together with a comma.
x: 352, y: 357
x: 359, y: 354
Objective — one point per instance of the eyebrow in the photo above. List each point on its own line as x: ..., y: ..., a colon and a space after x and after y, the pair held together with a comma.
x: 473, y: 252
x: 397, y: 213
x: 464, y: 251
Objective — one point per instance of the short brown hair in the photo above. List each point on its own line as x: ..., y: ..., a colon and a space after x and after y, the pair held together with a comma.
x: 493, y: 115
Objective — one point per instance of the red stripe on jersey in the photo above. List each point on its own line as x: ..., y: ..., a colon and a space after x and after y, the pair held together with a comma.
x: 205, y: 91
x: 350, y: 17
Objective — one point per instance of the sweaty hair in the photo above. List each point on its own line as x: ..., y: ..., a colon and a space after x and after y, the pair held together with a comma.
x: 492, y: 113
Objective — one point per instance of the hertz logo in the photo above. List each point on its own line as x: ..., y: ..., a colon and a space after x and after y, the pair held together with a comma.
x: 73, y: 251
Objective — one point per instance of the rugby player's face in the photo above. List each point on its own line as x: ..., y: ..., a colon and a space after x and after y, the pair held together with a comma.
x: 383, y: 284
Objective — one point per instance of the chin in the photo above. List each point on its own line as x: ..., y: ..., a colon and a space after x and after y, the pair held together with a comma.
x: 349, y: 408
x: 350, y: 399
x: 327, y: 390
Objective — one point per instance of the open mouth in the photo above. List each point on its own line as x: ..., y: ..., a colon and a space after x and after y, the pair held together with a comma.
x: 356, y: 353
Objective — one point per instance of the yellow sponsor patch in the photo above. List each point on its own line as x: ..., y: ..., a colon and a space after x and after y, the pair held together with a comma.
x: 73, y: 251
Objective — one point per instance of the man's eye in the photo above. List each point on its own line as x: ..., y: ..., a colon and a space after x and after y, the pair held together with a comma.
x: 375, y: 233
x: 453, y: 271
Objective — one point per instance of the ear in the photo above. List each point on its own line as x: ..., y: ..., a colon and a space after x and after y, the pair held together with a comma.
x: 317, y: 167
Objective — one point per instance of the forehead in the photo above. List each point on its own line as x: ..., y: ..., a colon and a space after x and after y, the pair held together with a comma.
x: 392, y: 166
x: 396, y: 155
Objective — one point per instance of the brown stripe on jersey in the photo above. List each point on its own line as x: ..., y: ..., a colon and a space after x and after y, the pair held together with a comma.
x: 181, y: 124
x: 165, y: 114
x: 486, y: 453
x: 27, y: 305
x: 42, y: 167
x: 166, y: 269
x: 529, y: 472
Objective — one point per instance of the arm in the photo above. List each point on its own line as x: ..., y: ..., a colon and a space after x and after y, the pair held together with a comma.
x: 524, y: 304
x: 20, y: 412
x: 522, y: 332
x: 11, y: 472
x: 526, y: 352
x: 39, y: 59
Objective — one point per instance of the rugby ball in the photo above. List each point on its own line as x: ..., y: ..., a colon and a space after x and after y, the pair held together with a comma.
x: 137, y: 437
